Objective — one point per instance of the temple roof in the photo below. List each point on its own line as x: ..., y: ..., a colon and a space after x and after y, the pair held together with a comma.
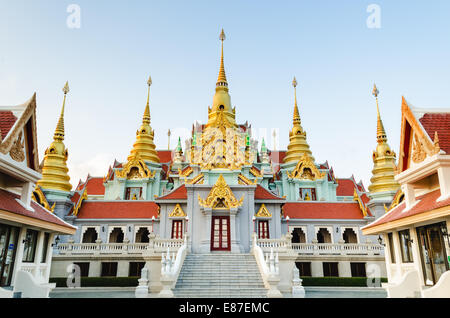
x: 8, y: 202
x: 438, y: 122
x: 262, y: 193
x: 426, y: 202
x: 94, y: 186
x: 7, y: 121
x: 118, y: 210
x: 179, y: 193
x: 323, y: 210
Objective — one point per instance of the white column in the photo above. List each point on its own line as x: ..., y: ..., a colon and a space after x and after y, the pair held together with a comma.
x: 410, y: 198
x: 19, y: 253
x: 444, y: 182
x: 48, y: 259
x: 415, y: 246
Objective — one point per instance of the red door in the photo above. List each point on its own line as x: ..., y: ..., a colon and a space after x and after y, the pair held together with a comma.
x: 177, y: 229
x: 220, y: 233
x: 263, y: 229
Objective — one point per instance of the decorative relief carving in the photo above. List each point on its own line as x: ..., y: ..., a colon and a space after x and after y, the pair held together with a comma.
x: 17, y: 152
x: 220, y: 197
x: 135, y: 168
x: 419, y: 154
x: 177, y: 212
x: 305, y: 170
x: 263, y: 212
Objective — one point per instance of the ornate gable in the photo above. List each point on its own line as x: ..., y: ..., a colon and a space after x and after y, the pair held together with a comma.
x: 263, y: 212
x: 220, y: 197
x: 135, y: 168
x: 177, y: 212
x: 306, y: 170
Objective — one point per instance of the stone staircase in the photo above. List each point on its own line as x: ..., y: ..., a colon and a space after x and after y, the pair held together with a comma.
x: 221, y: 275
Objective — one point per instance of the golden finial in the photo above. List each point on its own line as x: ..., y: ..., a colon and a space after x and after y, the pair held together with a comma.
x: 375, y: 91
x: 222, y: 36
x: 59, y: 131
x: 222, y: 79
x: 381, y: 133
x: 66, y: 88
x: 146, y: 117
x: 297, y: 120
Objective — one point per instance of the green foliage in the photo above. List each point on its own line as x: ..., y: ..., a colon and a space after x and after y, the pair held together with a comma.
x: 99, y: 281
x: 338, y: 281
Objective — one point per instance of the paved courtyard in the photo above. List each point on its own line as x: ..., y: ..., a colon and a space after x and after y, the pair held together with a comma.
x: 311, y: 292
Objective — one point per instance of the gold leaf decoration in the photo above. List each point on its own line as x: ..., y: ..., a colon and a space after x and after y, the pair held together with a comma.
x: 221, y: 197
x: 177, y: 212
x: 306, y: 170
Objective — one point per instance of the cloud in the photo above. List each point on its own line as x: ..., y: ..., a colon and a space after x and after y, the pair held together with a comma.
x: 95, y: 166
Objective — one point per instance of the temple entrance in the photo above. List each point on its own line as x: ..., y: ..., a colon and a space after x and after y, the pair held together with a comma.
x: 220, y: 233
x: 433, y: 252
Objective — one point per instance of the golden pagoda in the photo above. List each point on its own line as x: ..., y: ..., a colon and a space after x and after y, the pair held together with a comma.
x: 55, y: 172
x: 221, y: 144
x: 144, y: 147
x: 297, y: 136
x: 221, y: 112
x: 383, y: 159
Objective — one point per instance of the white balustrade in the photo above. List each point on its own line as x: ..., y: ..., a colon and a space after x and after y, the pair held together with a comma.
x: 337, y: 249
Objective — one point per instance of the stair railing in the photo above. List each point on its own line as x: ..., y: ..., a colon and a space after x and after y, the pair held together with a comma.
x: 269, y: 269
x: 170, y: 269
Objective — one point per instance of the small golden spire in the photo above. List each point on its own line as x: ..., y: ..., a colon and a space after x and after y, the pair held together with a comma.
x: 383, y: 171
x: 297, y: 120
x: 381, y: 133
x: 146, y: 117
x: 54, y: 171
x: 297, y: 136
x: 222, y: 79
x: 59, y: 131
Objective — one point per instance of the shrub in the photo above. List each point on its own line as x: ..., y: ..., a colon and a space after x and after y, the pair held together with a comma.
x: 99, y: 281
x: 338, y: 281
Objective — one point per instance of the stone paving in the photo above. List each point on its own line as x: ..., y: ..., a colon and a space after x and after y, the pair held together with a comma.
x: 311, y: 292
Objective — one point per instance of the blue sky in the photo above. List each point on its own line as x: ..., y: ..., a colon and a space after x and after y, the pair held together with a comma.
x: 325, y: 44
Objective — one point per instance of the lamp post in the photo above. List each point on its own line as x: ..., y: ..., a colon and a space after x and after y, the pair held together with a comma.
x: 287, y: 222
x: 153, y: 220
x: 187, y: 220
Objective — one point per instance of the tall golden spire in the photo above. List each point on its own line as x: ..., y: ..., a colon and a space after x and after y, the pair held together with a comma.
x: 221, y: 113
x: 55, y: 172
x: 222, y: 79
x: 144, y: 147
x: 383, y: 158
x: 297, y: 136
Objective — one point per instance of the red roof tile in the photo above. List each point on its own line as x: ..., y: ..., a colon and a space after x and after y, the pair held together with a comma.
x: 7, y: 121
x: 346, y: 187
x: 95, y: 186
x: 277, y: 156
x: 322, y: 210
x: 262, y: 193
x: 427, y: 202
x: 165, y: 156
x: 8, y: 203
x: 179, y: 193
x: 439, y: 122
x: 118, y: 210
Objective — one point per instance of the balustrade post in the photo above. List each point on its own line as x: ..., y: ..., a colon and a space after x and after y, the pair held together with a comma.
x: 342, y: 248
x: 70, y: 246
x: 97, y: 247
x: 315, y: 247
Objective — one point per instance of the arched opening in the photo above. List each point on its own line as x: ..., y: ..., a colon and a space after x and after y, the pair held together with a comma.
x: 142, y: 235
x: 350, y: 236
x: 221, y: 107
x: 323, y: 236
x: 298, y: 236
x: 90, y: 236
x: 116, y: 236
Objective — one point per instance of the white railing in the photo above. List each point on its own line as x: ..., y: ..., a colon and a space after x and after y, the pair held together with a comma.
x: 337, y: 249
x: 158, y: 245
x: 170, y: 269
x: 164, y: 244
x: 268, y: 267
x: 284, y: 245
x: 37, y: 271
